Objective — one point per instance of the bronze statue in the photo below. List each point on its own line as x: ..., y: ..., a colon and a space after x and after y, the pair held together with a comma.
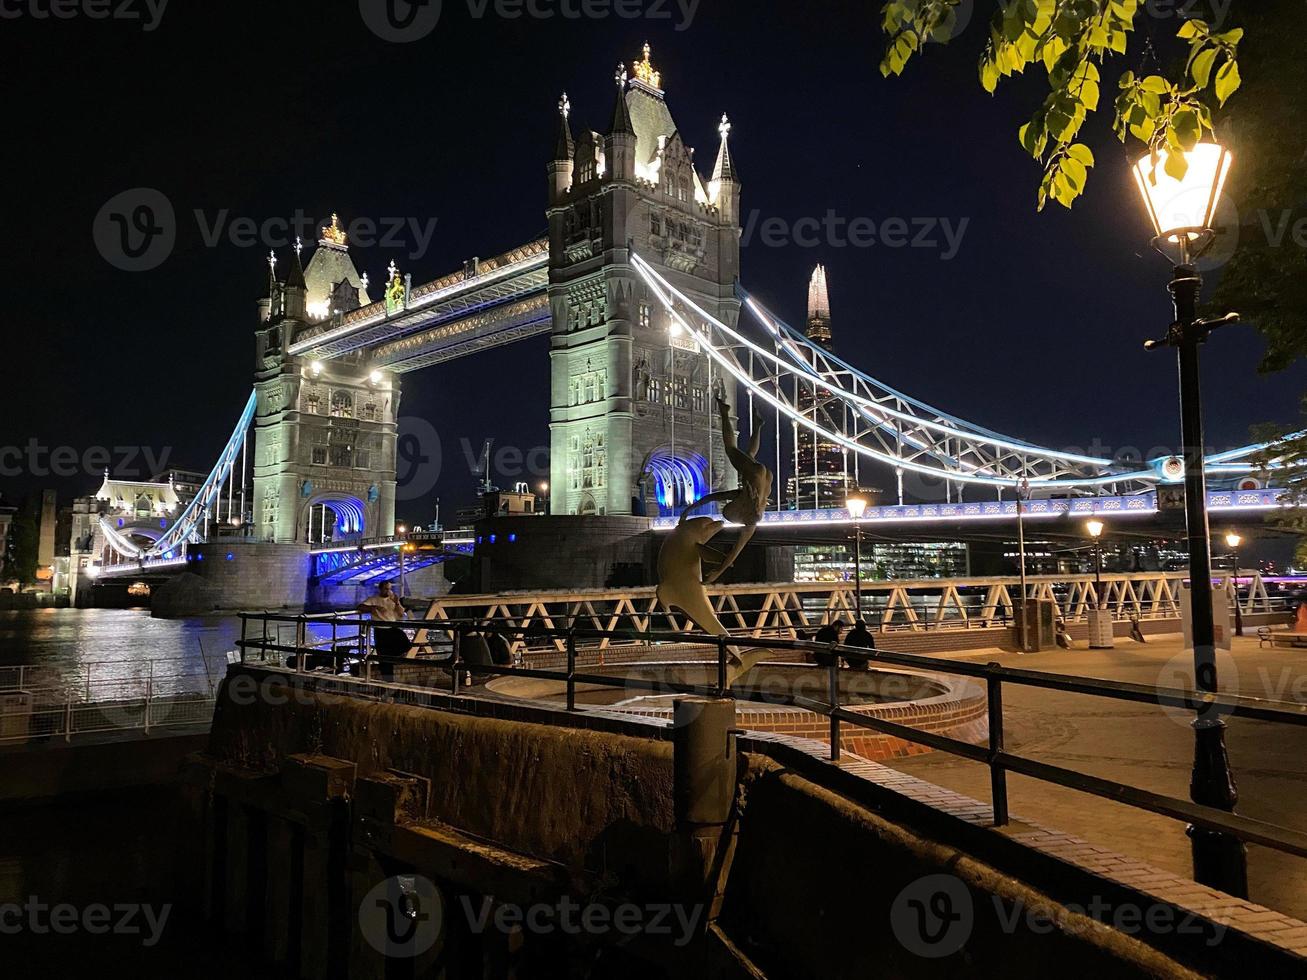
x: 681, y: 581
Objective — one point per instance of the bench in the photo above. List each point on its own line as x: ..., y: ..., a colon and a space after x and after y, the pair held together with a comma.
x: 1266, y: 635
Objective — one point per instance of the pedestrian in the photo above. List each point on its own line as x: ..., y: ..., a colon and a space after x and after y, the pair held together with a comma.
x: 859, y: 636
x: 829, y: 634
x: 390, y: 642
x: 1136, y: 630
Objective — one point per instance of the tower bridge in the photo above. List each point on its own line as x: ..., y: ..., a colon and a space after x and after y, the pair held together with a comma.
x: 638, y: 285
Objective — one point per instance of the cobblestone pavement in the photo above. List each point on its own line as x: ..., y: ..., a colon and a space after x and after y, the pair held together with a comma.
x: 1150, y: 747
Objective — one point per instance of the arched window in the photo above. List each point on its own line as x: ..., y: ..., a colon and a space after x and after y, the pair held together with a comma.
x: 342, y: 405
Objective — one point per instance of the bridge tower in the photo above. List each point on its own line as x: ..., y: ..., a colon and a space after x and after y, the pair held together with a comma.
x: 633, y: 421
x: 325, y: 431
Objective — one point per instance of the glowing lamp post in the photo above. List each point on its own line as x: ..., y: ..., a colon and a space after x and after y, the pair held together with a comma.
x: 856, y: 503
x: 1182, y: 211
x: 1095, y: 529
x: 1101, y: 629
x: 1232, y: 541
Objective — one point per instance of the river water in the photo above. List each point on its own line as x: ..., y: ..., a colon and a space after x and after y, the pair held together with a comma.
x: 94, y: 647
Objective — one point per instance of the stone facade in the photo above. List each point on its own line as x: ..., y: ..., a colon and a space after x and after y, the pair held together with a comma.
x: 324, y: 432
x: 630, y: 402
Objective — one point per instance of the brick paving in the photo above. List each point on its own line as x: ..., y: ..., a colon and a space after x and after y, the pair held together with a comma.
x: 1149, y: 747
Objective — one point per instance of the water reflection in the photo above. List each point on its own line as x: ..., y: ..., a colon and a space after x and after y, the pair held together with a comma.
x: 100, y: 647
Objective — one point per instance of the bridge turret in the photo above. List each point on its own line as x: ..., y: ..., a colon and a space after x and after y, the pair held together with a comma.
x: 724, y: 188
x: 295, y: 291
x: 560, y: 168
x: 619, y: 145
x: 270, y: 289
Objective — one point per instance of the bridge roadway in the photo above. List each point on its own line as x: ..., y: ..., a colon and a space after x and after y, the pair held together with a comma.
x: 487, y: 304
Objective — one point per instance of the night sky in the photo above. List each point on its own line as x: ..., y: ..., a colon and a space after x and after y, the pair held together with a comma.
x: 1033, y: 328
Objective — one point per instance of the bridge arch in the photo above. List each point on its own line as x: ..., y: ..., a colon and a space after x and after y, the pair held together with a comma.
x: 332, y: 516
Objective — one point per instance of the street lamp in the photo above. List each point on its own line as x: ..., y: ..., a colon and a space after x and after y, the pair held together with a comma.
x: 1095, y: 529
x: 1182, y: 211
x: 856, y: 503
x: 544, y: 492
x: 1232, y: 541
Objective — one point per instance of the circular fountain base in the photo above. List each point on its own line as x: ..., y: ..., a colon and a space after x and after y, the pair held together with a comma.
x: 933, y: 703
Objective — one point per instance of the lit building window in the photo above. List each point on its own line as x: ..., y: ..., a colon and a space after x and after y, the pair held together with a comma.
x: 646, y: 316
x: 342, y: 405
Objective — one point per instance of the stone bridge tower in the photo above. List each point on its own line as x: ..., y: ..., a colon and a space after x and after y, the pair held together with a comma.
x: 325, y: 431
x: 633, y: 421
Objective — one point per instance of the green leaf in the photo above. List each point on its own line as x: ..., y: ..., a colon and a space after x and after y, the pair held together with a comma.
x: 1200, y: 68
x: 1082, y: 153
x: 1191, y: 28
x: 1227, y: 81
x: 1177, y: 164
x: 988, y: 76
x: 1187, y: 128
x: 1156, y: 84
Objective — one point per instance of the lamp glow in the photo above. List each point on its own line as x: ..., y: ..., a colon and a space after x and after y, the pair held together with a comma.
x: 1233, y: 540
x: 1187, y: 206
x: 856, y: 503
x: 1095, y: 528
x: 316, y: 368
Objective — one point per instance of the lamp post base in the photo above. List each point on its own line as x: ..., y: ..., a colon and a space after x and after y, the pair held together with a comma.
x: 1220, y: 860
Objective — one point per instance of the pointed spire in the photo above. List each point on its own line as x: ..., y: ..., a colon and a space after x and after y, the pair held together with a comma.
x: 564, y: 145
x: 295, y: 277
x: 621, y: 114
x: 725, y: 168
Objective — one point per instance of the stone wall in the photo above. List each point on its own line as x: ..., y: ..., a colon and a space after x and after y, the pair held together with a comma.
x: 233, y: 576
x: 561, y: 552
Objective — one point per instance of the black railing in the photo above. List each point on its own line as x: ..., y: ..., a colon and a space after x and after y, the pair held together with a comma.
x: 993, y: 675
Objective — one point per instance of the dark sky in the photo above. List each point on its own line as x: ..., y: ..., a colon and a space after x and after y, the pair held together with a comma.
x: 258, y: 109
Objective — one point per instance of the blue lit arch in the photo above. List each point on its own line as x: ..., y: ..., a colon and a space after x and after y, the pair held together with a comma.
x: 678, y: 480
x: 349, y: 512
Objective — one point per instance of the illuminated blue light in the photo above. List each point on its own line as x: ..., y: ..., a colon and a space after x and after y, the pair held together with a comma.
x: 678, y: 481
x: 492, y: 539
x: 512, y: 538
x: 230, y: 556
x: 120, y: 522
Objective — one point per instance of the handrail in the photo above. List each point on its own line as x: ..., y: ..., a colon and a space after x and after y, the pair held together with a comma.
x: 999, y: 761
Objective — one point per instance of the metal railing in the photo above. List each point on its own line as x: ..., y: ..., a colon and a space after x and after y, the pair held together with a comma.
x: 994, y: 676
x: 112, y: 696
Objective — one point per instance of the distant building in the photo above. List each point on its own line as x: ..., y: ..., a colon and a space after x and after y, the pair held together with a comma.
x: 883, y: 561
x: 823, y: 472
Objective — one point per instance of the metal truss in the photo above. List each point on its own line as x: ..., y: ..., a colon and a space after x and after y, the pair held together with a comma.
x: 788, y: 609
